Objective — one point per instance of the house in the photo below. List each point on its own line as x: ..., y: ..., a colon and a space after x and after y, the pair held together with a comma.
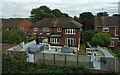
x: 110, y: 25
x: 17, y: 23
x: 60, y: 31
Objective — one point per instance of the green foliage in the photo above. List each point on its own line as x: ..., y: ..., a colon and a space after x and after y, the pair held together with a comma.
x: 102, y: 14
x: 116, y: 14
x: 101, y: 39
x: 15, y: 64
x: 14, y: 36
x: 116, y: 52
x: 87, y: 35
x: 86, y: 15
x: 45, y: 12
x: 87, y: 19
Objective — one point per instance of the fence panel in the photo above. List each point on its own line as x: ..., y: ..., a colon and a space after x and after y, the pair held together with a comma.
x: 49, y: 59
x: 39, y: 57
x: 71, y: 60
x: 59, y: 59
x: 84, y: 61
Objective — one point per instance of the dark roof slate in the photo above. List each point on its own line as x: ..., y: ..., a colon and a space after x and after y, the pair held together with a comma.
x: 58, y: 22
x: 108, y: 21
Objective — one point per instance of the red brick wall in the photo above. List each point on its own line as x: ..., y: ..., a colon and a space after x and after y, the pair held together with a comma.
x: 26, y: 26
x: 64, y: 36
x: 116, y: 44
x: 111, y: 30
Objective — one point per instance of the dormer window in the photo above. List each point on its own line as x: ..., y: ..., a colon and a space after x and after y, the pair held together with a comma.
x: 105, y: 29
x: 59, y: 29
x: 45, y: 29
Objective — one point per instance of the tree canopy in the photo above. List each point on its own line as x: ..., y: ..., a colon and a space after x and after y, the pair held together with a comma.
x: 99, y: 14
x: 87, y: 35
x: 87, y: 19
x: 101, y: 39
x: 14, y: 36
x: 45, y: 12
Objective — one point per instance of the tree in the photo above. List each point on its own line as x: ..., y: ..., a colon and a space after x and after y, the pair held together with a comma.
x: 99, y: 14
x: 87, y: 35
x: 76, y: 18
x: 116, y: 14
x: 14, y: 36
x: 57, y: 12
x: 45, y: 12
x: 87, y: 19
x: 101, y: 39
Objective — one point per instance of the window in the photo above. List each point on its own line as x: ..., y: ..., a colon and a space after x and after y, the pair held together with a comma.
x: 70, y: 41
x: 8, y: 28
x: 70, y: 31
x: 59, y: 29
x: 35, y: 29
x: 105, y: 30
x: 116, y: 31
x: 112, y: 44
x: 45, y: 29
x: 54, y: 40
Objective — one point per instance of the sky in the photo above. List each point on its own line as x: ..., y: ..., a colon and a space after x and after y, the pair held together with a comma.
x: 22, y: 8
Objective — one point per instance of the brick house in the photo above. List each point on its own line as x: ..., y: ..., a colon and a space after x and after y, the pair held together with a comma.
x: 16, y: 23
x: 60, y: 31
x: 111, y: 26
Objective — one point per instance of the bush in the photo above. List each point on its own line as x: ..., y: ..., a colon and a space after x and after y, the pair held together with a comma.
x: 14, y: 36
x: 101, y: 39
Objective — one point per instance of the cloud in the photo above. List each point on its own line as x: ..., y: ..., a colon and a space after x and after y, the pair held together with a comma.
x: 22, y: 8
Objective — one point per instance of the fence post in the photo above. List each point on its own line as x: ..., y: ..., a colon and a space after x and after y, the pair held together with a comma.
x: 77, y: 60
x: 54, y: 59
x: 43, y: 59
x: 65, y: 60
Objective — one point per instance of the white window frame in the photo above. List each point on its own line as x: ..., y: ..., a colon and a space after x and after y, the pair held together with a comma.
x: 54, y: 40
x: 70, y: 31
x: 105, y: 28
x: 59, y: 29
x: 116, y: 29
x: 45, y: 29
x: 35, y: 29
x: 112, y: 44
x: 71, y: 39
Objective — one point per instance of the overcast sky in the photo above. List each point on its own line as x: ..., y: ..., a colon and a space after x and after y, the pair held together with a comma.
x: 22, y: 8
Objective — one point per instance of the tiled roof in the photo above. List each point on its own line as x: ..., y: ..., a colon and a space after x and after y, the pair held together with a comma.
x: 58, y: 22
x: 108, y: 21
x: 11, y: 23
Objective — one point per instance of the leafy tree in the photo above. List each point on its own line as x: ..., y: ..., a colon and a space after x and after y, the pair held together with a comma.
x: 14, y: 36
x: 65, y: 15
x: 87, y: 35
x: 99, y: 14
x: 87, y: 19
x: 76, y: 18
x: 101, y: 39
x: 45, y: 12
x: 116, y: 14
x: 57, y: 12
